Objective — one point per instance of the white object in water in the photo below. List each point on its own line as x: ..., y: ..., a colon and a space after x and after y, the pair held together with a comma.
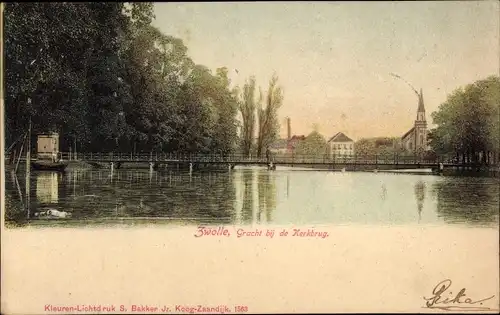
x: 54, y: 213
x: 343, y: 170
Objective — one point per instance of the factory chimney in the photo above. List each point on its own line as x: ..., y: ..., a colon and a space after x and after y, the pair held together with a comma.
x: 289, y: 128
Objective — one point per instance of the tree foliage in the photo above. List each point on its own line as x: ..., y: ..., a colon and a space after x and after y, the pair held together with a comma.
x: 383, y: 146
x: 101, y: 75
x: 468, y: 123
x: 313, y: 145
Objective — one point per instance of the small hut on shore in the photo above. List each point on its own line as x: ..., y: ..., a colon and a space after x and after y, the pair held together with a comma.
x: 48, y: 146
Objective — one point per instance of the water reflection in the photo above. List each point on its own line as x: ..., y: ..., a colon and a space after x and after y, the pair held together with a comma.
x: 47, y: 188
x: 383, y: 195
x: 420, y: 197
x: 257, y: 196
x: 473, y: 200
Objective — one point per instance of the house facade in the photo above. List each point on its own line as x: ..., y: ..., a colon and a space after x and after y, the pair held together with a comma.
x: 415, y: 139
x: 47, y: 145
x: 341, y: 145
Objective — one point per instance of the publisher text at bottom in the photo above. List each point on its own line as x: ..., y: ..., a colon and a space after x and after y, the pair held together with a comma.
x: 146, y: 309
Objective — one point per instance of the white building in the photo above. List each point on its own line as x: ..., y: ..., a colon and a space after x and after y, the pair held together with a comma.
x: 341, y: 145
x: 48, y: 145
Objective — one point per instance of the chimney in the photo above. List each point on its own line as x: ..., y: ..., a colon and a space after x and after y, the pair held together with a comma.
x: 289, y: 128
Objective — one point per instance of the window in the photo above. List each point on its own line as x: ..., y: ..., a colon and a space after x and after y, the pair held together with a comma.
x: 345, y: 146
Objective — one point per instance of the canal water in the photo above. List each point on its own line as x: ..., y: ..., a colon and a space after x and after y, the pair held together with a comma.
x: 246, y: 196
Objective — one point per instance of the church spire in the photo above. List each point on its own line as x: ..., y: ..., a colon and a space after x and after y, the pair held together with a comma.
x: 421, y: 108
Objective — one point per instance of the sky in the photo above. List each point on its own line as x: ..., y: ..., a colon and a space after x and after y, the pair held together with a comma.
x: 334, y: 59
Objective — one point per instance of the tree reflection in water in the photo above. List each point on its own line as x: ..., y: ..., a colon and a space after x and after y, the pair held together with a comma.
x: 248, y: 194
x: 259, y: 195
x: 420, y: 197
x: 468, y: 200
x: 205, y: 197
x: 267, y: 195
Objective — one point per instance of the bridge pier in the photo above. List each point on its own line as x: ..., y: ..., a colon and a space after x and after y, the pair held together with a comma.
x: 271, y: 166
x: 112, y: 166
x: 440, y: 168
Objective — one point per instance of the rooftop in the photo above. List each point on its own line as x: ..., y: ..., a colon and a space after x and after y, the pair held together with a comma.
x: 408, y: 133
x: 340, y: 137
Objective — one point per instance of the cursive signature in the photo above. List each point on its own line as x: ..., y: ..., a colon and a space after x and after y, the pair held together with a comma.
x: 444, y: 299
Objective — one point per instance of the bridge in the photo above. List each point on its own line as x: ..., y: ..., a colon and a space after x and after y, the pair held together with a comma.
x: 355, y: 162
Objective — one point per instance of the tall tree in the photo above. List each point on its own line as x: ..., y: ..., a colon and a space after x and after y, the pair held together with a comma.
x: 268, y: 116
x: 247, y: 109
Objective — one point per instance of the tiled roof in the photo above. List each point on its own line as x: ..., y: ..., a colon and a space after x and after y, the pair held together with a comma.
x: 301, y: 137
x: 340, y: 137
x: 408, y: 133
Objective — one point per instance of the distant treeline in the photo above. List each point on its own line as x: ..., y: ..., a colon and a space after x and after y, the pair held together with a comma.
x: 386, y: 146
x: 106, y: 79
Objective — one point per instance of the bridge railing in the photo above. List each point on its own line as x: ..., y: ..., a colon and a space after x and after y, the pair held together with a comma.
x: 239, y: 158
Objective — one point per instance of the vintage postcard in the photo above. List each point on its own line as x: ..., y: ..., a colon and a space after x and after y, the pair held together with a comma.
x: 250, y: 157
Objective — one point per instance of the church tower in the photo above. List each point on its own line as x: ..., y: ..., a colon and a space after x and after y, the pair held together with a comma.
x: 420, y: 137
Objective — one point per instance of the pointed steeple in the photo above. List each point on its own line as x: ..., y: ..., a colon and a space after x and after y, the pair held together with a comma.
x: 421, y: 108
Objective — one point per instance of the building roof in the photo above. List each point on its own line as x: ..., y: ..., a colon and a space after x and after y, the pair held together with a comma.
x: 48, y: 134
x: 295, y: 137
x: 340, y: 137
x: 408, y: 133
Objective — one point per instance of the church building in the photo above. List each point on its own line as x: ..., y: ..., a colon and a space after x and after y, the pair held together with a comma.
x: 416, y: 138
